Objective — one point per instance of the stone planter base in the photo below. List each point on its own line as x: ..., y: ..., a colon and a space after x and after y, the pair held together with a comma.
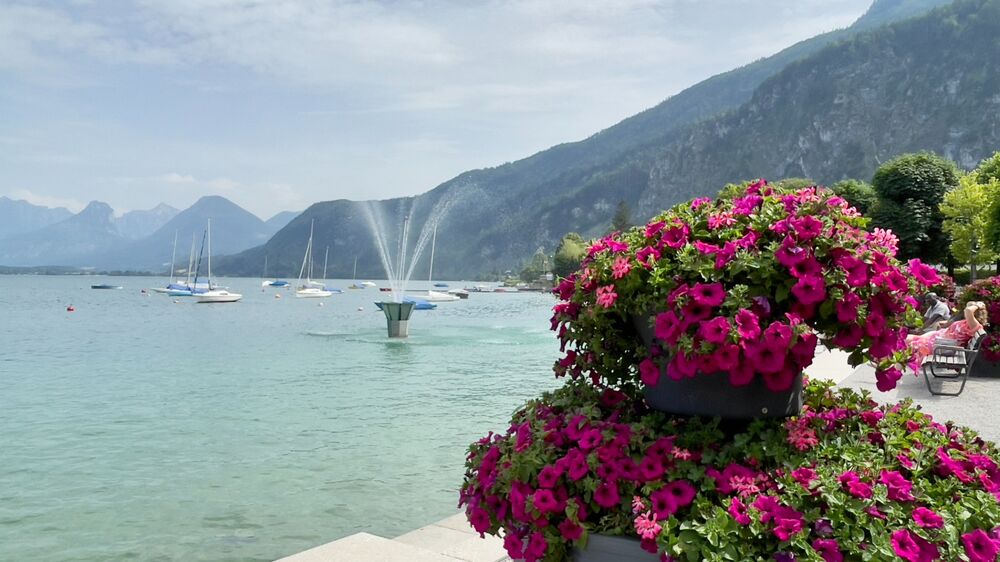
x: 983, y: 368
x: 601, y: 548
x: 711, y: 394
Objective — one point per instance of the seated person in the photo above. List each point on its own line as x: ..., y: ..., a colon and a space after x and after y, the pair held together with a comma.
x: 961, y: 331
x: 937, y: 314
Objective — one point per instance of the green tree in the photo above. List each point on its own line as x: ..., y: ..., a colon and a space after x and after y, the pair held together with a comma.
x: 860, y: 194
x: 537, y: 266
x: 989, y: 169
x: 966, y: 216
x: 792, y: 184
x: 622, y: 219
x: 569, y: 253
x: 910, y: 189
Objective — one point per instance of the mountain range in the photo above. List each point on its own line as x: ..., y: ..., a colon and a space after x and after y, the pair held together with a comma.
x: 908, y: 75
x: 140, y: 240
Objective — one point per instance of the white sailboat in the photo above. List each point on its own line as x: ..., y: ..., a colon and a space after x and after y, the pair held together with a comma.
x: 309, y: 289
x: 214, y: 295
x: 432, y: 295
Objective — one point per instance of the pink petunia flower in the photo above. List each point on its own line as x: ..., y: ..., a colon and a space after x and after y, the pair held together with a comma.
x: 898, y: 486
x: 927, y: 519
x: 809, y: 290
x: 708, y: 294
x: 924, y: 274
x: 649, y: 372
x: 747, y: 324
x: 715, y: 330
x: 570, y: 530
x: 912, y: 547
x: 828, y: 549
x: 979, y: 547
x: 606, y: 494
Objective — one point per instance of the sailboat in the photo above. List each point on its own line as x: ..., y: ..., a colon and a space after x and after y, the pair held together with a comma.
x: 437, y: 296
x: 309, y: 289
x: 273, y: 282
x: 213, y: 295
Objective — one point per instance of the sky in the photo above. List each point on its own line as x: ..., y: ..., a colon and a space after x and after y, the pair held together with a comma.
x: 277, y: 104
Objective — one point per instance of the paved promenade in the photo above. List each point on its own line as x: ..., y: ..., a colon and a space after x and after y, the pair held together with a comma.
x: 452, y: 540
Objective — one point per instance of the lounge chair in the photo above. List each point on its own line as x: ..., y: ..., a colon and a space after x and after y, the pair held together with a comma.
x: 951, y: 362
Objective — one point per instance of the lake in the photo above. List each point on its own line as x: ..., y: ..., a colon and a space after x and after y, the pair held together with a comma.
x: 149, y: 427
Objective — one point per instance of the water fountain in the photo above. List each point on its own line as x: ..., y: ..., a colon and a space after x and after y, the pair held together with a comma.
x: 399, y: 270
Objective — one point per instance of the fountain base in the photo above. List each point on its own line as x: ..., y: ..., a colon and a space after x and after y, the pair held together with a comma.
x: 397, y: 318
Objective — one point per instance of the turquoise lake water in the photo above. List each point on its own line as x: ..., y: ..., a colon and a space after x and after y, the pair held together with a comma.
x: 137, y: 428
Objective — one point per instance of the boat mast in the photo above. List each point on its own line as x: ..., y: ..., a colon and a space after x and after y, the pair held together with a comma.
x: 305, y: 258
x: 209, y: 254
x: 173, y: 256
x: 190, y: 261
x: 325, y: 259
x: 198, y: 267
x: 354, y: 276
x: 430, y: 275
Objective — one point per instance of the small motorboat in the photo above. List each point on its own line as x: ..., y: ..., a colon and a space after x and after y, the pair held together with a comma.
x: 441, y: 285
x: 218, y: 296
x: 367, y: 284
x: 437, y: 296
x: 105, y: 286
x: 460, y: 293
x: 274, y: 283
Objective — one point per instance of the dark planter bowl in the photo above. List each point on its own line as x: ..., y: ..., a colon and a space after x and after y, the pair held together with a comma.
x: 601, y: 548
x: 711, y: 394
x: 981, y: 367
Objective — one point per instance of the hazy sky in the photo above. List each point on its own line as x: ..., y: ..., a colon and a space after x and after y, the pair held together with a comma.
x: 277, y: 104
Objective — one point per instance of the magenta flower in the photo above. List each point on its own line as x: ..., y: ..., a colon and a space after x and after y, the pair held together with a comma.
x: 979, y: 547
x: 682, y: 366
x: 828, y: 549
x: 715, y: 330
x: 778, y: 335
x: 727, y: 356
x: 668, y: 327
x: 514, y: 546
x: 549, y: 476
x: 809, y: 290
x: 912, y: 547
x: 804, y: 476
x: 643, y: 257
x: 927, y: 519
x: 536, y: 547
x: 653, y: 228
x: 606, y: 296
x: 747, y: 324
x: 898, y: 486
x: 924, y: 274
x: 649, y: 372
x: 545, y: 501
x: 738, y: 511
x: 650, y: 467
x: 886, y: 379
x: 606, y: 494
x: 807, y: 227
x: 698, y: 202
x: 765, y: 359
x: 847, y: 308
x: 590, y: 439
x: 790, y: 253
x: 676, y: 236
x: 856, y: 270
x: 570, y: 530
x: 849, y: 337
x: 708, y: 294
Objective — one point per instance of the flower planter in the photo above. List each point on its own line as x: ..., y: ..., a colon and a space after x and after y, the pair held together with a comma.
x: 602, y: 548
x: 711, y: 394
x: 984, y: 368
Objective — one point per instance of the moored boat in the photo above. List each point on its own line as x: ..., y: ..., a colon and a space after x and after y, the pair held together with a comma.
x: 105, y: 286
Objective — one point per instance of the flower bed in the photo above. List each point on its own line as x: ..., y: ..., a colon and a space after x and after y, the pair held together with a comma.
x: 747, y: 285
x: 988, y: 291
x: 845, y: 480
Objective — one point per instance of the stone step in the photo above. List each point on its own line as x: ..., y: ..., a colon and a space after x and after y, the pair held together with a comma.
x: 364, y: 547
x: 454, y: 537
